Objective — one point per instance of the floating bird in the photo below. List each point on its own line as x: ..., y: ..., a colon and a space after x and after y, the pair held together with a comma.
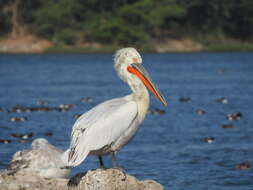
x: 186, y: 99
x: 48, y: 133
x: 208, y: 139
x: 243, y: 165
x: 222, y: 100
x: 17, y: 119
x: 234, y: 116
x: 22, y: 135
x: 41, y: 102
x: 200, y: 112
x: 107, y: 127
x: 227, y: 126
x: 18, y: 108
x: 221, y: 71
x: 5, y: 141
x: 60, y: 108
x: 86, y: 100
x: 156, y: 111
x: 44, y: 160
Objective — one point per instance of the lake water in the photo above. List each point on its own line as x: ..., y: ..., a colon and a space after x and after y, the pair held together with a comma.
x: 168, y: 148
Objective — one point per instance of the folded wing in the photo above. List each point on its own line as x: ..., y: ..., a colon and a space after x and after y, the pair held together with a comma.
x: 99, y: 127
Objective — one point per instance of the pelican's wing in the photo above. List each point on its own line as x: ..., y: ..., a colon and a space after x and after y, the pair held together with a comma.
x: 98, y: 128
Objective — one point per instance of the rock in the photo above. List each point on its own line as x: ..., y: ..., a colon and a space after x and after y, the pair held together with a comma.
x: 27, y: 181
x: 109, y: 179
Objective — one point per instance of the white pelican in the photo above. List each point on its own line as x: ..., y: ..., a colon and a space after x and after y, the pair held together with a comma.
x: 44, y: 160
x: 109, y: 126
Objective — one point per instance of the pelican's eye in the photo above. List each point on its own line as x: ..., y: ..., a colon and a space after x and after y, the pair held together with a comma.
x: 135, y: 60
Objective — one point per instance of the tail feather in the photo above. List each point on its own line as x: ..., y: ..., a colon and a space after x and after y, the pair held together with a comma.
x: 64, y: 157
x: 71, y: 158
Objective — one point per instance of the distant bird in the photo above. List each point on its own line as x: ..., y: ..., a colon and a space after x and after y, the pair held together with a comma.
x: 107, y: 127
x: 5, y: 141
x: 234, y: 116
x: 243, y: 165
x: 22, y: 135
x: 156, y: 111
x: 227, y: 126
x: 42, y: 102
x: 222, y: 100
x: 200, y: 112
x: 86, y: 100
x: 44, y: 160
x: 17, y: 119
x: 186, y: 99
x: 208, y: 139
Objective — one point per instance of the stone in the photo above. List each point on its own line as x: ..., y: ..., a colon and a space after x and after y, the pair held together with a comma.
x: 99, y: 179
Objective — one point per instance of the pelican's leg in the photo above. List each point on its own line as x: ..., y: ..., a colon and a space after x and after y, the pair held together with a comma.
x: 115, y: 164
x: 114, y: 160
x: 101, y: 162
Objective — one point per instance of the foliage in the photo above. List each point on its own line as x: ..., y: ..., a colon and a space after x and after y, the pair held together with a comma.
x: 130, y: 22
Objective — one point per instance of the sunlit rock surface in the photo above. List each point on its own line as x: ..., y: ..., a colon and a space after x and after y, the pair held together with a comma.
x: 109, y: 179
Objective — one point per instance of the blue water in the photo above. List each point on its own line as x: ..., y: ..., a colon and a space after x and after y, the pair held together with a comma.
x: 169, y: 147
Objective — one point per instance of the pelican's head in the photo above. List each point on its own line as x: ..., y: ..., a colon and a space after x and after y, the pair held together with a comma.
x: 128, y: 64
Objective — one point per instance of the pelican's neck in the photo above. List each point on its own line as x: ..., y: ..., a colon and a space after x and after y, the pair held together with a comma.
x: 141, y: 96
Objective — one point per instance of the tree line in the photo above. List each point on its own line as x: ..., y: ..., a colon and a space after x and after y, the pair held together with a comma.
x: 126, y: 22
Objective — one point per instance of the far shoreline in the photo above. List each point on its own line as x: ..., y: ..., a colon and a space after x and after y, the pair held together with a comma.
x: 34, y: 45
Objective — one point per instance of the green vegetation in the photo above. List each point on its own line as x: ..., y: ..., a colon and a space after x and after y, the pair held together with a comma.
x: 218, y: 24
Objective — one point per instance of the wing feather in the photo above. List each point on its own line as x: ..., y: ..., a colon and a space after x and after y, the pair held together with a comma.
x: 99, y: 127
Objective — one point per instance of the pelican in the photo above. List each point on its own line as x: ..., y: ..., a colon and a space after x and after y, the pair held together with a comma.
x: 107, y: 127
x: 44, y: 160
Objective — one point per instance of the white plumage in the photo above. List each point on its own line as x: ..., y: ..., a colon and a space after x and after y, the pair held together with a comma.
x: 100, y: 125
x: 44, y: 160
x: 109, y: 126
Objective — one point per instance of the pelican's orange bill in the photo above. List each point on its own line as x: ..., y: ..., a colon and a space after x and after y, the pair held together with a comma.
x: 139, y: 71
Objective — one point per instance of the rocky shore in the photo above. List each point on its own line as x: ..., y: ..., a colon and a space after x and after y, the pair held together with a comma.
x: 24, y: 44
x: 99, y: 179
